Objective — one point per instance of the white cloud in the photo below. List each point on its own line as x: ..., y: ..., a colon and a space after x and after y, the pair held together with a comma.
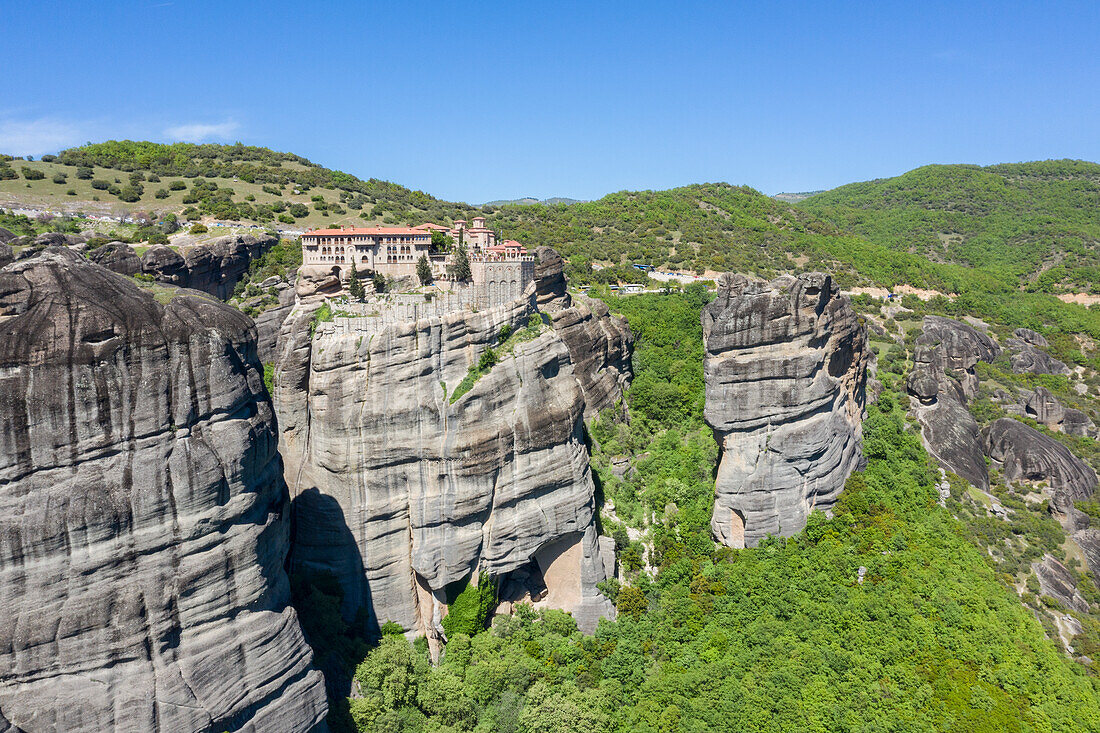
x: 198, y: 132
x: 35, y: 137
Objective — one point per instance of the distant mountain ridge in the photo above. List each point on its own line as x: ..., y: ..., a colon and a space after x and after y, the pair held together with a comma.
x: 530, y: 200
x: 799, y: 196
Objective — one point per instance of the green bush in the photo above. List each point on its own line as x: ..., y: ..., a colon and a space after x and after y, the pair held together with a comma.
x: 470, y: 611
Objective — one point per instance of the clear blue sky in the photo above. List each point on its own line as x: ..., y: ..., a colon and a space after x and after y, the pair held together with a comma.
x: 480, y: 101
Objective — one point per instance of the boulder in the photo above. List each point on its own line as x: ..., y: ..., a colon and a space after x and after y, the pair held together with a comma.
x: 216, y: 267
x: 1023, y: 453
x: 116, y: 257
x: 785, y: 369
x: 6, y: 254
x: 6, y: 235
x: 51, y: 239
x: 950, y: 349
x: 1077, y: 423
x: 1045, y: 408
x: 1027, y: 359
x: 166, y: 265
x: 1031, y: 337
x: 952, y: 436
x: 143, y: 519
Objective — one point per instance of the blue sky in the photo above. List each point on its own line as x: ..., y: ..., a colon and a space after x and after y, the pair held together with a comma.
x: 479, y: 101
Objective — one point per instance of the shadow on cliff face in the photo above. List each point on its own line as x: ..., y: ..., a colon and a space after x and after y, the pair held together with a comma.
x: 329, y: 592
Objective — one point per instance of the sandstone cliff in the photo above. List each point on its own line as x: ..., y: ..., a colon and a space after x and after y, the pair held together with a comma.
x: 405, y: 492
x: 142, y: 515
x: 785, y: 372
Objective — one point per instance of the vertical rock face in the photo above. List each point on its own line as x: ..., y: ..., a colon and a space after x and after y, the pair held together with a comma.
x: 943, y: 381
x: 600, y: 345
x: 142, y: 515
x: 785, y: 372
x: 404, y: 491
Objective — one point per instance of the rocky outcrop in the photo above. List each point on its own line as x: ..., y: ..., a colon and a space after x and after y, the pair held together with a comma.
x: 212, y: 268
x: 1045, y: 408
x: 1077, y: 423
x: 1055, y: 581
x: 1023, y: 453
x: 7, y: 255
x: 6, y: 235
x: 785, y: 371
x: 948, y: 350
x: 600, y: 345
x: 116, y: 257
x: 143, y: 520
x: 943, y: 380
x: 1031, y: 337
x: 1026, y: 358
x: 405, y: 491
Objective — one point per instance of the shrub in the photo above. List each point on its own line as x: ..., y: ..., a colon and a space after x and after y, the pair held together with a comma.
x: 31, y: 174
x: 70, y: 192
x: 59, y: 178
x: 129, y: 194
x: 84, y: 172
x: 199, y: 229
x: 152, y: 235
x: 177, y: 186
x: 285, y: 219
x: 162, y: 193
x: 488, y: 359
x: 470, y: 611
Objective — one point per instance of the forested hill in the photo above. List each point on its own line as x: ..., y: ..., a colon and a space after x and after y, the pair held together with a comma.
x: 1035, y: 223
x: 984, y: 234
x: 705, y: 227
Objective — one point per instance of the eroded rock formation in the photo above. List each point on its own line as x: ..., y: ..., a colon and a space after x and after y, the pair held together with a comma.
x: 1026, y: 356
x: 785, y: 371
x: 943, y: 381
x: 405, y: 492
x: 213, y: 268
x: 143, y: 519
x: 599, y: 344
x: 1023, y: 453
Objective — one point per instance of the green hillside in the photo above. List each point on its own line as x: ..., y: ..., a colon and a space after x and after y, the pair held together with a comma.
x: 1034, y: 223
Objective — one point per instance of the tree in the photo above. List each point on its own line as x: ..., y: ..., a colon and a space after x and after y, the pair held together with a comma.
x: 462, y: 263
x: 424, y: 270
x: 379, y: 281
x: 355, y: 286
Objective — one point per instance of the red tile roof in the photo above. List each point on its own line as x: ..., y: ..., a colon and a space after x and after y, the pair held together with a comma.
x: 352, y: 231
x: 429, y: 225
